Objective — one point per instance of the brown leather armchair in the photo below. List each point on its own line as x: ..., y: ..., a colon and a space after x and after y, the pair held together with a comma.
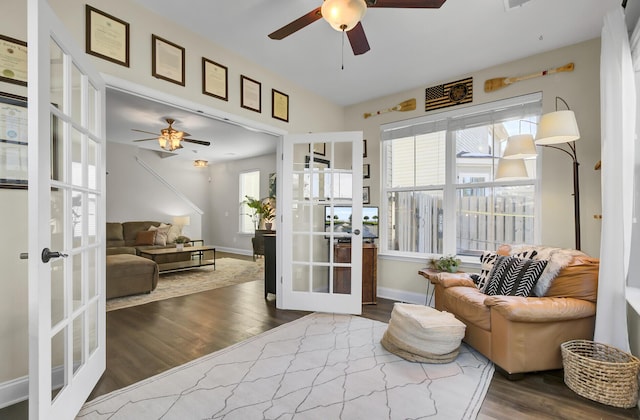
x: 523, y: 334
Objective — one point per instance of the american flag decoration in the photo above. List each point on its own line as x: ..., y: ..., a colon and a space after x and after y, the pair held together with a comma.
x: 449, y: 94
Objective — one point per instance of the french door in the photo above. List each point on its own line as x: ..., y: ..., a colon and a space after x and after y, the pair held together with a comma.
x: 320, y: 206
x: 66, y: 219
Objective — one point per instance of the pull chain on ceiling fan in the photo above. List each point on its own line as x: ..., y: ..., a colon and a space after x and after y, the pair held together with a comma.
x: 346, y: 15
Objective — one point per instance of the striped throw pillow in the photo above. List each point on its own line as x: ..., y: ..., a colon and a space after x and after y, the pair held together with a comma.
x: 512, y: 276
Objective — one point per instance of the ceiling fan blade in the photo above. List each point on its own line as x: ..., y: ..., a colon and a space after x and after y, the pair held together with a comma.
x: 296, y: 25
x: 202, y: 142
x: 146, y: 132
x: 154, y: 138
x: 358, y: 39
x: 407, y: 4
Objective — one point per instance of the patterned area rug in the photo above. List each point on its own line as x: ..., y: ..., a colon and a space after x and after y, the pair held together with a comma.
x: 321, y: 366
x: 228, y: 271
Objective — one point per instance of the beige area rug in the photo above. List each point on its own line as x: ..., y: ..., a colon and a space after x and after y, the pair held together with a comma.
x: 228, y: 271
x: 321, y: 366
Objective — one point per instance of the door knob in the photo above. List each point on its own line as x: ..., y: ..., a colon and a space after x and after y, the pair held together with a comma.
x: 47, y: 255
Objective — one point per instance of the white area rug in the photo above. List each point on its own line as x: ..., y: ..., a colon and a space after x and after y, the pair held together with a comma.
x: 228, y: 271
x: 320, y: 366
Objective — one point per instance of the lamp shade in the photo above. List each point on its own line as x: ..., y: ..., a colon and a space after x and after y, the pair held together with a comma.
x: 557, y: 127
x: 343, y: 15
x: 511, y: 170
x: 520, y: 146
x: 182, y: 220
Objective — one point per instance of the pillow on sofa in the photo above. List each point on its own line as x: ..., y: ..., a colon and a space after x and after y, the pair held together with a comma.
x: 512, y: 276
x: 145, y: 237
x: 488, y: 259
x: 161, y: 235
x: 173, y: 232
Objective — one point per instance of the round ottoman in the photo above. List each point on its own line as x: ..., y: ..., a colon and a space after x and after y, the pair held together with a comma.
x: 422, y: 334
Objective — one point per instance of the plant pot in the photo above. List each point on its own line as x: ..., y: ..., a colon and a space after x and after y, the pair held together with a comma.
x: 179, y: 247
x: 268, y: 225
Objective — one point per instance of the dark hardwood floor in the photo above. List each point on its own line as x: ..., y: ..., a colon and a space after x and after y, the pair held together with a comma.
x: 148, y: 339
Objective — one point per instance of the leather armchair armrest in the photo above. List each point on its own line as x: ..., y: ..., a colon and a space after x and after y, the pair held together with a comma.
x: 452, y: 280
x: 540, y: 309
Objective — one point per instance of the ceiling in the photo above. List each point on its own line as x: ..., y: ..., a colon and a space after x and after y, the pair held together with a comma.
x: 409, y: 48
x: 228, y: 141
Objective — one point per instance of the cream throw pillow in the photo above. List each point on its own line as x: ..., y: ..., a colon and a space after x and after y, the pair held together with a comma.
x: 162, y: 234
x: 173, y: 232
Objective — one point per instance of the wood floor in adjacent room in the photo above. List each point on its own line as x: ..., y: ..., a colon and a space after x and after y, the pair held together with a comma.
x: 145, y: 340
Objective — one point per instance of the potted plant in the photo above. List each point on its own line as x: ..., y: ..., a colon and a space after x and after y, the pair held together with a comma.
x: 180, y: 241
x: 446, y: 263
x: 262, y: 210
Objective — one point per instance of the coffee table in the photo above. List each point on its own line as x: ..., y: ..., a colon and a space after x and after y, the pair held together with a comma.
x: 193, y: 251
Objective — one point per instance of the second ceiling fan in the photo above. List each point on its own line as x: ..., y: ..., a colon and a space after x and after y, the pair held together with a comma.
x: 345, y: 15
x: 171, y: 139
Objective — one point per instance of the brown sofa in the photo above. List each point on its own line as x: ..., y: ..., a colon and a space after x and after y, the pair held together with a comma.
x: 127, y: 272
x: 523, y: 334
x: 121, y: 239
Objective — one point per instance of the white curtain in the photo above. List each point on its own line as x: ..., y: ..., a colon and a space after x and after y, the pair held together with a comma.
x: 618, y: 119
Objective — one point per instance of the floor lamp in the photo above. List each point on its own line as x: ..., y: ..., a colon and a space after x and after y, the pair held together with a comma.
x: 555, y: 129
x: 559, y: 128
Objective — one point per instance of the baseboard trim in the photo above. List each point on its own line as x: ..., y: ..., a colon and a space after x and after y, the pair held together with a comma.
x: 14, y: 391
x: 401, y: 295
x: 233, y: 250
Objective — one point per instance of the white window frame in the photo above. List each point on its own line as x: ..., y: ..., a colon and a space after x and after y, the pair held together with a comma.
x: 244, y: 210
x: 414, y: 127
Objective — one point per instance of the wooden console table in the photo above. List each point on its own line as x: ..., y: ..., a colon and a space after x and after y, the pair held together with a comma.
x: 193, y: 251
x: 342, y: 275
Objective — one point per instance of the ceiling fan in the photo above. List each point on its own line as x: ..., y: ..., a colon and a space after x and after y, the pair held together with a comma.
x: 171, y: 139
x: 345, y: 16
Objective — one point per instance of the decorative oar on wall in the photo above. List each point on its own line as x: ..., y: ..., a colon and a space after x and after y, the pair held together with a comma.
x: 404, y: 106
x: 500, y: 82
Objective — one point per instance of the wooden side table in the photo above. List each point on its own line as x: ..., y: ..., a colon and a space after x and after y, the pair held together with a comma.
x: 430, y: 274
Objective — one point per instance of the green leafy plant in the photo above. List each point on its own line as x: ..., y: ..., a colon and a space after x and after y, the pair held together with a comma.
x: 446, y: 263
x: 262, y: 209
x: 182, y: 239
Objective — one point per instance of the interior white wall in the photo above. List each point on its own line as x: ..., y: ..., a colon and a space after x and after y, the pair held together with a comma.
x: 579, y: 88
x: 133, y: 193
x: 225, y: 200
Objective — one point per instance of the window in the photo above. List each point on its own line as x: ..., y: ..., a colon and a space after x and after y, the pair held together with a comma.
x: 438, y: 179
x: 249, y: 186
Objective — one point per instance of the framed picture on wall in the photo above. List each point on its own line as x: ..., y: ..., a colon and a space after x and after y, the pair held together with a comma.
x: 365, y: 195
x: 106, y: 36
x: 214, y: 79
x: 250, y: 94
x: 364, y: 148
x: 167, y: 60
x: 279, y: 105
x: 366, y: 171
x: 13, y: 61
x: 13, y: 141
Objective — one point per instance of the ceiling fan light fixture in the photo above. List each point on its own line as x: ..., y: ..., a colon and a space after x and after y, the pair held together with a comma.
x: 343, y: 15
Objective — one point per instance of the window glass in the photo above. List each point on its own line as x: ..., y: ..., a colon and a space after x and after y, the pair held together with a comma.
x: 442, y: 196
x: 249, y: 187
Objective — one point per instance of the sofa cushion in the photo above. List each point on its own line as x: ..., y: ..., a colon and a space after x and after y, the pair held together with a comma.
x: 488, y: 259
x: 512, y: 276
x: 173, y: 232
x: 468, y: 303
x: 145, y: 237
x: 131, y: 229
x: 161, y: 234
x: 578, y: 280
